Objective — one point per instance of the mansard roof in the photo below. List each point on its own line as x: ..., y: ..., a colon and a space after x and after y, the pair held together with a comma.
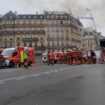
x: 31, y: 16
x: 10, y: 15
x: 56, y: 12
x: 49, y: 15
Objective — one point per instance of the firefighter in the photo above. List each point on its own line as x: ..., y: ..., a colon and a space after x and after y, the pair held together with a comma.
x: 79, y: 56
x: 74, y: 54
x: 63, y: 57
x: 89, y: 57
x: 93, y: 57
x: 50, y: 57
x: 69, y: 57
x: 24, y: 58
x: 84, y: 57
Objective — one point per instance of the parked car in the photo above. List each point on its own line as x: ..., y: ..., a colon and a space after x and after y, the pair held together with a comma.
x: 44, y: 58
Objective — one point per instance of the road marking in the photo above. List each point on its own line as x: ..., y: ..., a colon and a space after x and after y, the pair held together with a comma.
x: 37, y: 74
x: 32, y: 75
x: 1, y: 82
x: 20, y: 78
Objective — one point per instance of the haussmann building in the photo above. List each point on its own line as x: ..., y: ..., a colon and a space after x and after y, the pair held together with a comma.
x: 53, y: 30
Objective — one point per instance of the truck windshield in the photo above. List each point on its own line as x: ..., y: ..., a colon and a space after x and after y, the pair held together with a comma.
x: 7, y: 52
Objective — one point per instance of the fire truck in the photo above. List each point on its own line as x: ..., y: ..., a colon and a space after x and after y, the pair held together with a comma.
x: 100, y: 56
x: 1, y: 59
x: 18, y: 56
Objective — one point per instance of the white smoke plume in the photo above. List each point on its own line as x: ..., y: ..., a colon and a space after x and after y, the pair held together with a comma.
x: 77, y: 7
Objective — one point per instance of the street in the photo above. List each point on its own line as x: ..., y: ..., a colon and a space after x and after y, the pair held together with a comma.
x: 59, y: 84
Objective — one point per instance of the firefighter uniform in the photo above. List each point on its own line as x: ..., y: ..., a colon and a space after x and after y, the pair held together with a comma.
x: 69, y: 57
x: 50, y: 57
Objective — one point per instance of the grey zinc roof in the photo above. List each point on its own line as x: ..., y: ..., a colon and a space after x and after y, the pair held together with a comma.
x: 31, y: 16
x: 56, y: 12
x: 49, y: 15
x: 10, y: 15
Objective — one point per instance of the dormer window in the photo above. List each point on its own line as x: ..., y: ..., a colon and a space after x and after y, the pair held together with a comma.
x: 61, y: 16
x: 29, y: 17
x: 41, y: 17
x: 65, y: 17
x: 35, y: 17
x: 24, y: 17
x: 10, y: 17
x: 52, y: 16
x: 57, y: 16
x: 48, y: 17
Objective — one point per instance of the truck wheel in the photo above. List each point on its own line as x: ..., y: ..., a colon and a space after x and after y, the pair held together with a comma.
x: 55, y: 61
x: 0, y: 65
x: 11, y: 65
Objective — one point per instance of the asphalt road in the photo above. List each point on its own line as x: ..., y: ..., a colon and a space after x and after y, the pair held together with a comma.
x: 53, y: 85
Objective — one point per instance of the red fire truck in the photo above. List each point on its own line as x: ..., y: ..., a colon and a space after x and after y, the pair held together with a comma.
x: 14, y: 56
x: 1, y: 59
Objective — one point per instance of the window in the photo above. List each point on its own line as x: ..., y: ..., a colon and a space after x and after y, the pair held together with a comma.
x: 35, y: 17
x: 11, y: 42
x: 10, y: 17
x: 57, y: 16
x: 41, y: 17
x: 24, y: 16
x: 35, y: 44
x: 24, y: 43
x: 65, y: 17
x: 18, y: 44
x: 61, y: 22
x: 42, y: 41
x: 18, y: 39
x: 30, y: 45
x: 29, y: 17
x: 15, y: 53
x: 48, y: 17
x: 52, y: 16
x: 61, y: 16
x: 48, y: 43
x: 5, y: 42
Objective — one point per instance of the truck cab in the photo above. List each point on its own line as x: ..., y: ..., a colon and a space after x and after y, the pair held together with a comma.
x: 13, y: 56
x: 1, y: 59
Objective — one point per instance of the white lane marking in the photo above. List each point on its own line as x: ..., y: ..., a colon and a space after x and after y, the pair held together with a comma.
x: 37, y: 75
x: 1, y: 82
x: 32, y: 75
x: 20, y: 78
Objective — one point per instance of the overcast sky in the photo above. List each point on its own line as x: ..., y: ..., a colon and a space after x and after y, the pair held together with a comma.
x: 77, y: 7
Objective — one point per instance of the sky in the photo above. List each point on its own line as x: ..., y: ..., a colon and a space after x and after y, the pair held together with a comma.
x: 78, y: 8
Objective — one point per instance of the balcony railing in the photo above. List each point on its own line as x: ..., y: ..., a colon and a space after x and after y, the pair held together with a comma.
x: 29, y: 39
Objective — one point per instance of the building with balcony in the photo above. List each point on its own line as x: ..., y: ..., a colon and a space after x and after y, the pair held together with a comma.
x: 50, y: 30
x: 91, y: 39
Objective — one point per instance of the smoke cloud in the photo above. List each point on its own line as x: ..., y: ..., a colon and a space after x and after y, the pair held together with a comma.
x: 77, y: 7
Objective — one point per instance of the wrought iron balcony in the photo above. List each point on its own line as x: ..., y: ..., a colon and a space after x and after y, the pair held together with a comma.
x: 29, y: 39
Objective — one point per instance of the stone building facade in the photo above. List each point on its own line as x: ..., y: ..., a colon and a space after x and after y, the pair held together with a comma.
x: 50, y: 30
x: 91, y: 39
